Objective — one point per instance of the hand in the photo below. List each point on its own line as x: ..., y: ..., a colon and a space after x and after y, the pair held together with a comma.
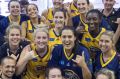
x: 28, y: 53
x: 118, y: 21
x: 80, y: 29
x: 80, y: 60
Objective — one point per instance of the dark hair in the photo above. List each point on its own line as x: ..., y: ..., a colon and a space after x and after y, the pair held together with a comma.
x: 31, y: 4
x: 64, y: 12
x: 95, y: 11
x: 8, y: 58
x: 70, y: 28
x: 12, y: 1
x: 88, y: 2
x: 24, y: 2
x: 50, y: 68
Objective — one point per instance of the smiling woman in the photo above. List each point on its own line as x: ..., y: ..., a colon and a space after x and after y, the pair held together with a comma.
x: 71, y: 57
x: 34, y: 57
x: 14, y: 44
x: 108, y: 57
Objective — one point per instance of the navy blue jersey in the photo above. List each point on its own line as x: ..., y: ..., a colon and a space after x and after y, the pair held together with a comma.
x: 113, y: 64
x: 1, y: 17
x: 77, y: 19
x: 2, y: 40
x: 70, y: 69
x: 4, y: 23
x: 5, y: 49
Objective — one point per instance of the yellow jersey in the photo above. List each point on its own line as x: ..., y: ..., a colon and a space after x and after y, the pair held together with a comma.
x: 90, y: 41
x: 35, y: 68
x: 74, y: 10
x: 53, y: 38
x: 50, y: 17
x: 30, y: 30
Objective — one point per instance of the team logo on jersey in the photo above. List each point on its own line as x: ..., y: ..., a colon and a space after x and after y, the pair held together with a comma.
x: 68, y: 64
x: 88, y: 39
x: 62, y: 62
x: 69, y: 74
x: 40, y: 68
x: 51, y: 39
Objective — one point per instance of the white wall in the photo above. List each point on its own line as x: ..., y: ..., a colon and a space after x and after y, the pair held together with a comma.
x: 44, y: 4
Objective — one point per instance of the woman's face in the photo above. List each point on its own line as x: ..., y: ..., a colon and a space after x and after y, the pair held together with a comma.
x: 14, y: 8
x: 101, y: 76
x: 93, y: 21
x: 14, y: 37
x: 55, y: 74
x: 41, y: 40
x: 68, y: 39
x: 32, y: 11
x: 57, y: 3
x: 105, y: 43
x: 108, y: 4
x: 82, y: 6
x: 59, y: 20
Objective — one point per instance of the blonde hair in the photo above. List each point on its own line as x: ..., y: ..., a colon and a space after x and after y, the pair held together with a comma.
x: 41, y: 28
x: 109, y: 33
x: 110, y: 74
x: 12, y: 26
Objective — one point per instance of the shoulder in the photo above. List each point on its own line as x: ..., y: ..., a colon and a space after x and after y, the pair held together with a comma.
x: 4, y: 46
x: 81, y: 48
x: 24, y: 17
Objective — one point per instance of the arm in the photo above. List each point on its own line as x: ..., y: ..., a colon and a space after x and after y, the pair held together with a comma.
x: 44, y: 13
x: 117, y: 33
x: 25, y: 56
x: 80, y: 60
x: 44, y: 20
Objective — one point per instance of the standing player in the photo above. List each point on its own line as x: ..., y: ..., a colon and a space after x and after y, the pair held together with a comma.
x: 15, y: 16
x: 34, y: 58
x: 108, y: 57
x: 55, y: 33
x: 72, y: 58
x: 49, y: 13
x: 34, y: 21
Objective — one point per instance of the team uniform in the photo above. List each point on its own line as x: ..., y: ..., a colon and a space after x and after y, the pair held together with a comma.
x: 50, y: 17
x: 113, y: 63
x: 1, y: 17
x: 73, y: 9
x: 53, y: 38
x: 5, y: 49
x: 30, y: 29
x: 35, y: 68
x: 4, y: 23
x: 2, y: 40
x: 76, y: 20
x: 111, y: 19
x: 69, y: 68
x: 90, y: 41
